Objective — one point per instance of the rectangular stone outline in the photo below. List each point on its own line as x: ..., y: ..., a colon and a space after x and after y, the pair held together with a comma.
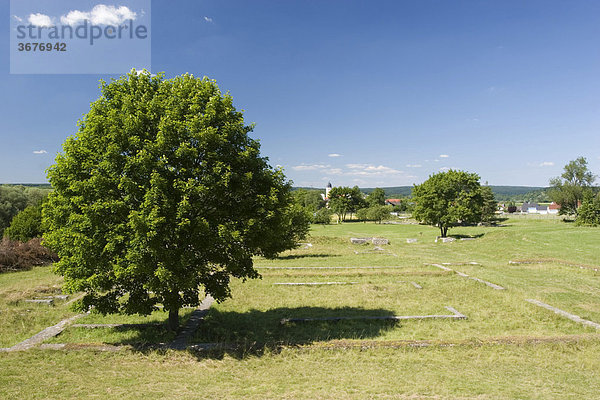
x: 43, y: 335
x: 455, y: 315
x: 565, y: 314
x: 313, y: 283
x: 490, y: 284
x: 376, y: 267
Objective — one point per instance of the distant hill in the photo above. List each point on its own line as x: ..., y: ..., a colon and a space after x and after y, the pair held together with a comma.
x: 501, y: 193
x: 535, y: 194
x: 36, y: 185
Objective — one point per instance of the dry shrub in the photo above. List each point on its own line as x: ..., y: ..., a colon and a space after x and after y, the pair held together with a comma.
x: 19, y: 256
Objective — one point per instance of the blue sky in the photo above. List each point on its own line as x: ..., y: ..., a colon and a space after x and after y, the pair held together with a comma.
x: 373, y: 93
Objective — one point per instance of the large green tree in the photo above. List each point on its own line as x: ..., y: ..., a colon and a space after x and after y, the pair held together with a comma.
x: 569, y: 189
x: 344, y: 200
x: 340, y: 201
x: 448, y: 199
x: 161, y: 194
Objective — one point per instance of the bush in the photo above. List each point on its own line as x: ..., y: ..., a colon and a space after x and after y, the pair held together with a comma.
x: 26, y: 225
x: 362, y: 214
x: 18, y: 256
x: 378, y: 213
x: 589, y: 211
x: 322, y: 216
x: 511, y: 207
x: 14, y: 199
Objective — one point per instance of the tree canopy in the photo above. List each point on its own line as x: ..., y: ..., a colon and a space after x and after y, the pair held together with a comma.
x: 162, y: 192
x: 15, y: 198
x: 447, y: 199
x: 571, y: 187
x: 26, y: 225
x: 311, y: 200
x: 589, y: 211
x: 376, y: 197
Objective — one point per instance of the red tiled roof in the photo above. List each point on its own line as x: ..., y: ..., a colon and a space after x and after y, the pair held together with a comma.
x: 554, y: 206
x: 394, y: 201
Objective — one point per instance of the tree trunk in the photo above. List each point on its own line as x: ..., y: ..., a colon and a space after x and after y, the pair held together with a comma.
x: 443, y: 231
x: 174, y: 319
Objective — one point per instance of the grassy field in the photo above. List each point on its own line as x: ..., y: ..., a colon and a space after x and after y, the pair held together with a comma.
x: 506, y: 348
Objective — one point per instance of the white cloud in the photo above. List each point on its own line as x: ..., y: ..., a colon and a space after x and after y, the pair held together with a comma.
x: 101, y: 14
x: 413, y: 165
x: 547, y: 164
x: 41, y: 20
x: 208, y: 19
x: 370, y: 170
x: 444, y: 169
x: 334, y: 155
x: 334, y: 171
x: 40, y: 152
x: 18, y: 18
x: 444, y: 156
x: 309, y: 167
x: 140, y: 71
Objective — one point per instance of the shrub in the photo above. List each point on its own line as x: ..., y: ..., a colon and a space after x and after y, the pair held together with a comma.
x: 378, y: 213
x: 322, y: 216
x: 14, y: 199
x: 18, y: 256
x: 362, y: 214
x: 26, y: 225
x: 589, y: 211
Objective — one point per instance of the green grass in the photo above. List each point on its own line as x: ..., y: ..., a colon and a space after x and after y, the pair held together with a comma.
x: 550, y: 356
x: 21, y: 320
x: 539, y: 371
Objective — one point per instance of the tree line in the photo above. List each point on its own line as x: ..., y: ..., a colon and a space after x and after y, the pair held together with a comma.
x: 20, y: 211
x: 348, y: 203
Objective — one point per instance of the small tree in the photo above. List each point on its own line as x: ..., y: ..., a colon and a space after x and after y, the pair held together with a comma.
x: 322, y: 216
x: 447, y: 199
x: 376, y: 197
x: 12, y: 201
x: 311, y: 200
x: 511, y: 207
x: 589, y: 212
x: 161, y: 193
x: 489, y: 206
x: 570, y: 188
x: 362, y: 214
x: 378, y: 213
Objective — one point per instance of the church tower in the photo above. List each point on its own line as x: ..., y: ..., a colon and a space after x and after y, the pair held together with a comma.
x: 327, y: 190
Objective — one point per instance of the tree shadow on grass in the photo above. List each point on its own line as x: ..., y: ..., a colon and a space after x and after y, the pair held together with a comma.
x: 254, y: 332
x: 467, y: 236
x: 296, y: 256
